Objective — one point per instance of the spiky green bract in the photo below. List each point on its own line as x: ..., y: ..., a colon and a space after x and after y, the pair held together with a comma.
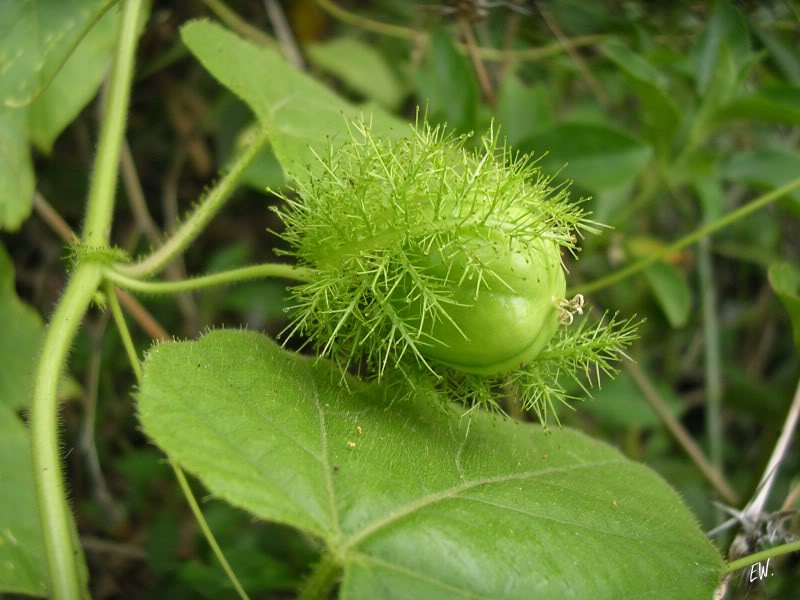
x: 395, y: 228
x: 440, y: 267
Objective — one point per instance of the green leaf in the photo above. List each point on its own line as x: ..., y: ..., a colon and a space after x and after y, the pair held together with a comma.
x: 785, y: 281
x: 75, y: 85
x: 764, y: 169
x: 16, y: 169
x: 784, y: 55
x: 661, y: 112
x: 727, y: 28
x: 596, y: 157
x: 775, y: 104
x: 37, y: 38
x: 522, y: 110
x: 672, y: 292
x: 446, y: 85
x: 620, y: 404
x: 301, y: 115
x: 23, y: 568
x: 360, y: 67
x: 20, y: 341
x: 412, y: 505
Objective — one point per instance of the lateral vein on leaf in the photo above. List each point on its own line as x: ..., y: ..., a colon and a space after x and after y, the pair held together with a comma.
x: 324, y: 461
x: 436, y: 497
x: 426, y: 578
x: 659, y: 541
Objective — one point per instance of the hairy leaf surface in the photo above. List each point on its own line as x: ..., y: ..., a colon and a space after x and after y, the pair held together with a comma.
x: 411, y: 504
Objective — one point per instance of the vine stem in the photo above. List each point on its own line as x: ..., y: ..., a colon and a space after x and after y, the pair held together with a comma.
x: 201, y: 216
x: 66, y: 575
x: 751, y: 559
x: 136, y: 365
x: 687, y: 240
x: 279, y: 270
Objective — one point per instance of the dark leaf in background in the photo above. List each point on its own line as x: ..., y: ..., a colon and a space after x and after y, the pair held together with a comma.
x: 447, y: 90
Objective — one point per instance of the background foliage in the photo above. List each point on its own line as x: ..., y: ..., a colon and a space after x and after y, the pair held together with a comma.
x: 667, y: 114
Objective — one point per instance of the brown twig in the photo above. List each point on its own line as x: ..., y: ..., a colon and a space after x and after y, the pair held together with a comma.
x: 492, y: 54
x: 133, y: 187
x: 238, y: 24
x: 55, y: 221
x: 100, y: 546
x: 87, y: 444
x: 480, y: 69
x: 792, y: 498
x: 680, y: 434
x: 591, y: 80
x: 284, y: 34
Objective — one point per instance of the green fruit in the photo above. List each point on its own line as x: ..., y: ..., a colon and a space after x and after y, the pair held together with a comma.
x: 505, y: 323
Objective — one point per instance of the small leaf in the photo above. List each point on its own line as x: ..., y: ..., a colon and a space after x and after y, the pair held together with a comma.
x: 672, y: 292
x: 300, y: 114
x: 412, y: 505
x: 16, y: 169
x: 661, y: 112
x: 596, y: 157
x: 782, y: 53
x: 20, y: 341
x: 764, y: 169
x: 785, y: 281
x: 23, y: 567
x: 775, y: 104
x: 522, y: 110
x: 727, y: 28
x: 620, y: 404
x: 446, y: 85
x: 361, y: 67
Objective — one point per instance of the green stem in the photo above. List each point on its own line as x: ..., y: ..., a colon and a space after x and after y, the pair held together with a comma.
x: 202, y: 215
x: 97, y: 229
x: 687, y: 240
x: 201, y: 520
x: 320, y: 583
x: 64, y: 557
x: 752, y: 559
x: 282, y: 271
x: 60, y: 548
x: 133, y: 358
x: 124, y: 332
x: 712, y: 362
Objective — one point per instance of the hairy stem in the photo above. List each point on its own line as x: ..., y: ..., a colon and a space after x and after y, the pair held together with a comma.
x: 319, y: 584
x: 279, y: 270
x: 751, y: 559
x: 61, y: 547
x: 688, y: 240
x: 202, y: 215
